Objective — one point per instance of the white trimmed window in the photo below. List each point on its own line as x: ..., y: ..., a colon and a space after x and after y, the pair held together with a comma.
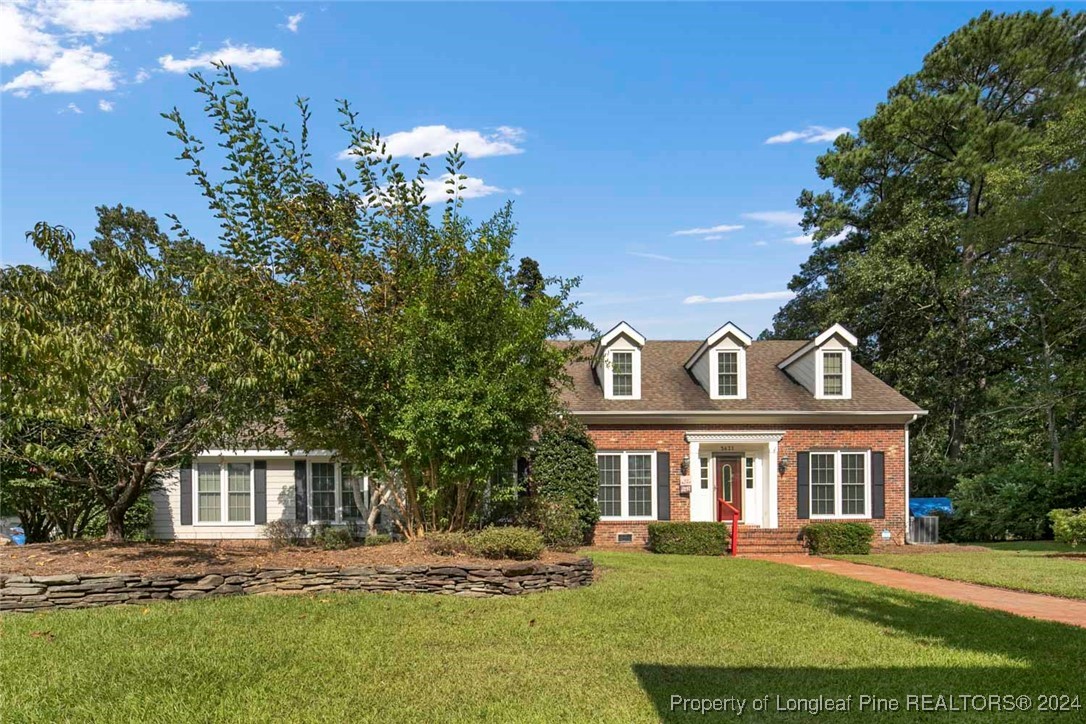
x: 833, y: 378
x: 622, y: 374
x: 224, y: 493
x: 727, y: 373
x: 748, y: 472
x: 627, y: 485
x: 840, y: 484
x: 705, y: 473
x: 331, y: 495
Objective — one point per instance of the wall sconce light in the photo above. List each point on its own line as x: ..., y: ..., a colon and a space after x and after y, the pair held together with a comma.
x: 782, y: 464
x: 684, y: 467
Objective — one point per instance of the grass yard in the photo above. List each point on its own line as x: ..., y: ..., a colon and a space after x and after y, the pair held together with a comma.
x: 1021, y: 566
x: 652, y: 627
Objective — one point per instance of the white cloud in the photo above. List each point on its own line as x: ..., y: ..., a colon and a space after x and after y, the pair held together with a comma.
x: 708, y: 231
x: 59, y: 38
x: 142, y: 75
x: 808, y: 239
x: 22, y: 39
x: 713, y: 237
x: 435, y: 189
x: 104, y: 17
x: 293, y: 21
x: 74, y: 70
x: 244, y: 57
x: 72, y: 108
x: 439, y: 140
x: 776, y: 218
x: 761, y: 243
x: 649, y: 255
x: 810, y: 134
x: 105, y: 106
x: 747, y: 297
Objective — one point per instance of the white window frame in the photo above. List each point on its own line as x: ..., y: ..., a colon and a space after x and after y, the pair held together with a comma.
x: 224, y: 492
x: 624, y: 483
x: 838, y: 474
x: 846, y: 374
x: 339, y: 519
x: 714, y: 372
x: 609, y: 374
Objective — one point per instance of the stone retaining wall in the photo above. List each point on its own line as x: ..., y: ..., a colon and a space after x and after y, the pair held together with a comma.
x: 46, y: 593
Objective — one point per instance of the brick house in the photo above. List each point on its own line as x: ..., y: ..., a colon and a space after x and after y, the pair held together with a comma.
x: 784, y: 432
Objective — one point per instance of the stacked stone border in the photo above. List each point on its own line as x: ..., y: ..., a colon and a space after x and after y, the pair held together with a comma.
x: 74, y: 590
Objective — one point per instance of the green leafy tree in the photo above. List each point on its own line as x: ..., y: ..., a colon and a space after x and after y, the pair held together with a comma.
x: 123, y: 360
x: 563, y: 468
x: 426, y: 362
x: 942, y: 254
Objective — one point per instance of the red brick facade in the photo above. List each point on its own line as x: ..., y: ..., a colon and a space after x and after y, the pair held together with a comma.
x: 890, y: 439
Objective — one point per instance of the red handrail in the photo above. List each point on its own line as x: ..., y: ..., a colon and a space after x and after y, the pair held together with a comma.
x: 721, y: 505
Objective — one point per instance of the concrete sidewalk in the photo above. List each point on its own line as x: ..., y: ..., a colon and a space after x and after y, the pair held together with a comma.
x: 1033, y: 605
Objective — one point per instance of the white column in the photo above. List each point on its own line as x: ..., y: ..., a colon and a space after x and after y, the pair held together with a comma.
x: 771, y: 476
x: 699, y: 503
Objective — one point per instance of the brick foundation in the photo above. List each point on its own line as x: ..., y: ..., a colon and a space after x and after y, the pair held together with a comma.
x: 890, y: 439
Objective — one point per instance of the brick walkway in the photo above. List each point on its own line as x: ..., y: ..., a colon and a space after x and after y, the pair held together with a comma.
x: 1033, y: 605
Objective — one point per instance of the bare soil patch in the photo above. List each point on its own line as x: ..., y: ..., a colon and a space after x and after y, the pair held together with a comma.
x: 43, y: 559
x: 912, y: 550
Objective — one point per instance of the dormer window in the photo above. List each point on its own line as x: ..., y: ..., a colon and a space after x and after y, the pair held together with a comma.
x: 719, y: 364
x: 727, y: 377
x: 833, y: 374
x: 617, y: 363
x: 622, y: 374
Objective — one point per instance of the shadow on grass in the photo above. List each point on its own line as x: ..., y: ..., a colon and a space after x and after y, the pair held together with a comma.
x: 1042, y: 658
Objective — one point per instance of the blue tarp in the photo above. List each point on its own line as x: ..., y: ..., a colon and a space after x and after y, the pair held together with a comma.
x: 929, y: 506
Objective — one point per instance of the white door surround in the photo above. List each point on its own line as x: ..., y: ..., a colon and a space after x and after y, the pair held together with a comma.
x: 759, y: 503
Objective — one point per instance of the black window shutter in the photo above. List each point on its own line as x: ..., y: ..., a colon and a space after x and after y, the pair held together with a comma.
x: 803, y: 485
x: 663, y: 485
x: 301, y: 500
x: 878, y: 485
x: 186, y: 494
x: 260, y: 492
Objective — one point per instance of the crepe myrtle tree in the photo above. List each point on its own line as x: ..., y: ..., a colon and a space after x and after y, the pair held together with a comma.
x: 429, y: 364
x: 122, y: 360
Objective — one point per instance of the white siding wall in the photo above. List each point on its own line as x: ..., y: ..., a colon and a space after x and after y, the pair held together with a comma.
x: 167, y: 523
x: 803, y: 370
x: 701, y: 372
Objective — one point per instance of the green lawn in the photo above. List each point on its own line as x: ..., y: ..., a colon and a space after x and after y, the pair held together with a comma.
x: 1021, y: 566
x: 653, y: 627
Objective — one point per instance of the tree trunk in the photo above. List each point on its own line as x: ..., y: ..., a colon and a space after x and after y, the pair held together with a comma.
x: 115, y: 523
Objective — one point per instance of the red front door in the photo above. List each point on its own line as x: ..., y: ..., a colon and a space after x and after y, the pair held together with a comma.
x: 729, y: 486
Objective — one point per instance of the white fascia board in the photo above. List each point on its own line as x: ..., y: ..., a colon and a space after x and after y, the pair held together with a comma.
x: 299, y: 454
x: 818, y: 341
x: 728, y: 329
x: 619, y: 330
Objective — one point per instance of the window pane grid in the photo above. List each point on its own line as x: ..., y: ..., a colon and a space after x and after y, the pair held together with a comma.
x: 728, y: 373
x: 622, y: 374
x: 208, y: 493
x: 640, y: 485
x: 822, y: 484
x: 324, y: 492
x: 705, y: 473
x: 610, y: 467
x: 852, y: 484
x: 349, y: 476
x: 833, y: 377
x: 239, y: 493
x: 749, y: 473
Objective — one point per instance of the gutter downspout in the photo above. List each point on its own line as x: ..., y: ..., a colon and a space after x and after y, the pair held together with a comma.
x: 908, y: 480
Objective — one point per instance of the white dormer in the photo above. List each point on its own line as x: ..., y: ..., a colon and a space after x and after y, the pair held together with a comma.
x: 824, y: 365
x: 617, y: 362
x: 720, y: 363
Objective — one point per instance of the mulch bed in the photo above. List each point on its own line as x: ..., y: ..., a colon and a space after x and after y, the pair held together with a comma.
x: 43, y: 559
x: 926, y: 549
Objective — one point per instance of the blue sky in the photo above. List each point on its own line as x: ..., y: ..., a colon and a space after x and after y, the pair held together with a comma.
x: 656, y: 151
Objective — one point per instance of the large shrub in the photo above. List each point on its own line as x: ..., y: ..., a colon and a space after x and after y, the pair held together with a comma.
x: 558, y: 520
x: 1013, y: 502
x: 283, y: 533
x: 563, y: 467
x: 689, y: 539
x: 449, y: 544
x: 838, y: 538
x: 514, y: 542
x: 1069, y: 526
